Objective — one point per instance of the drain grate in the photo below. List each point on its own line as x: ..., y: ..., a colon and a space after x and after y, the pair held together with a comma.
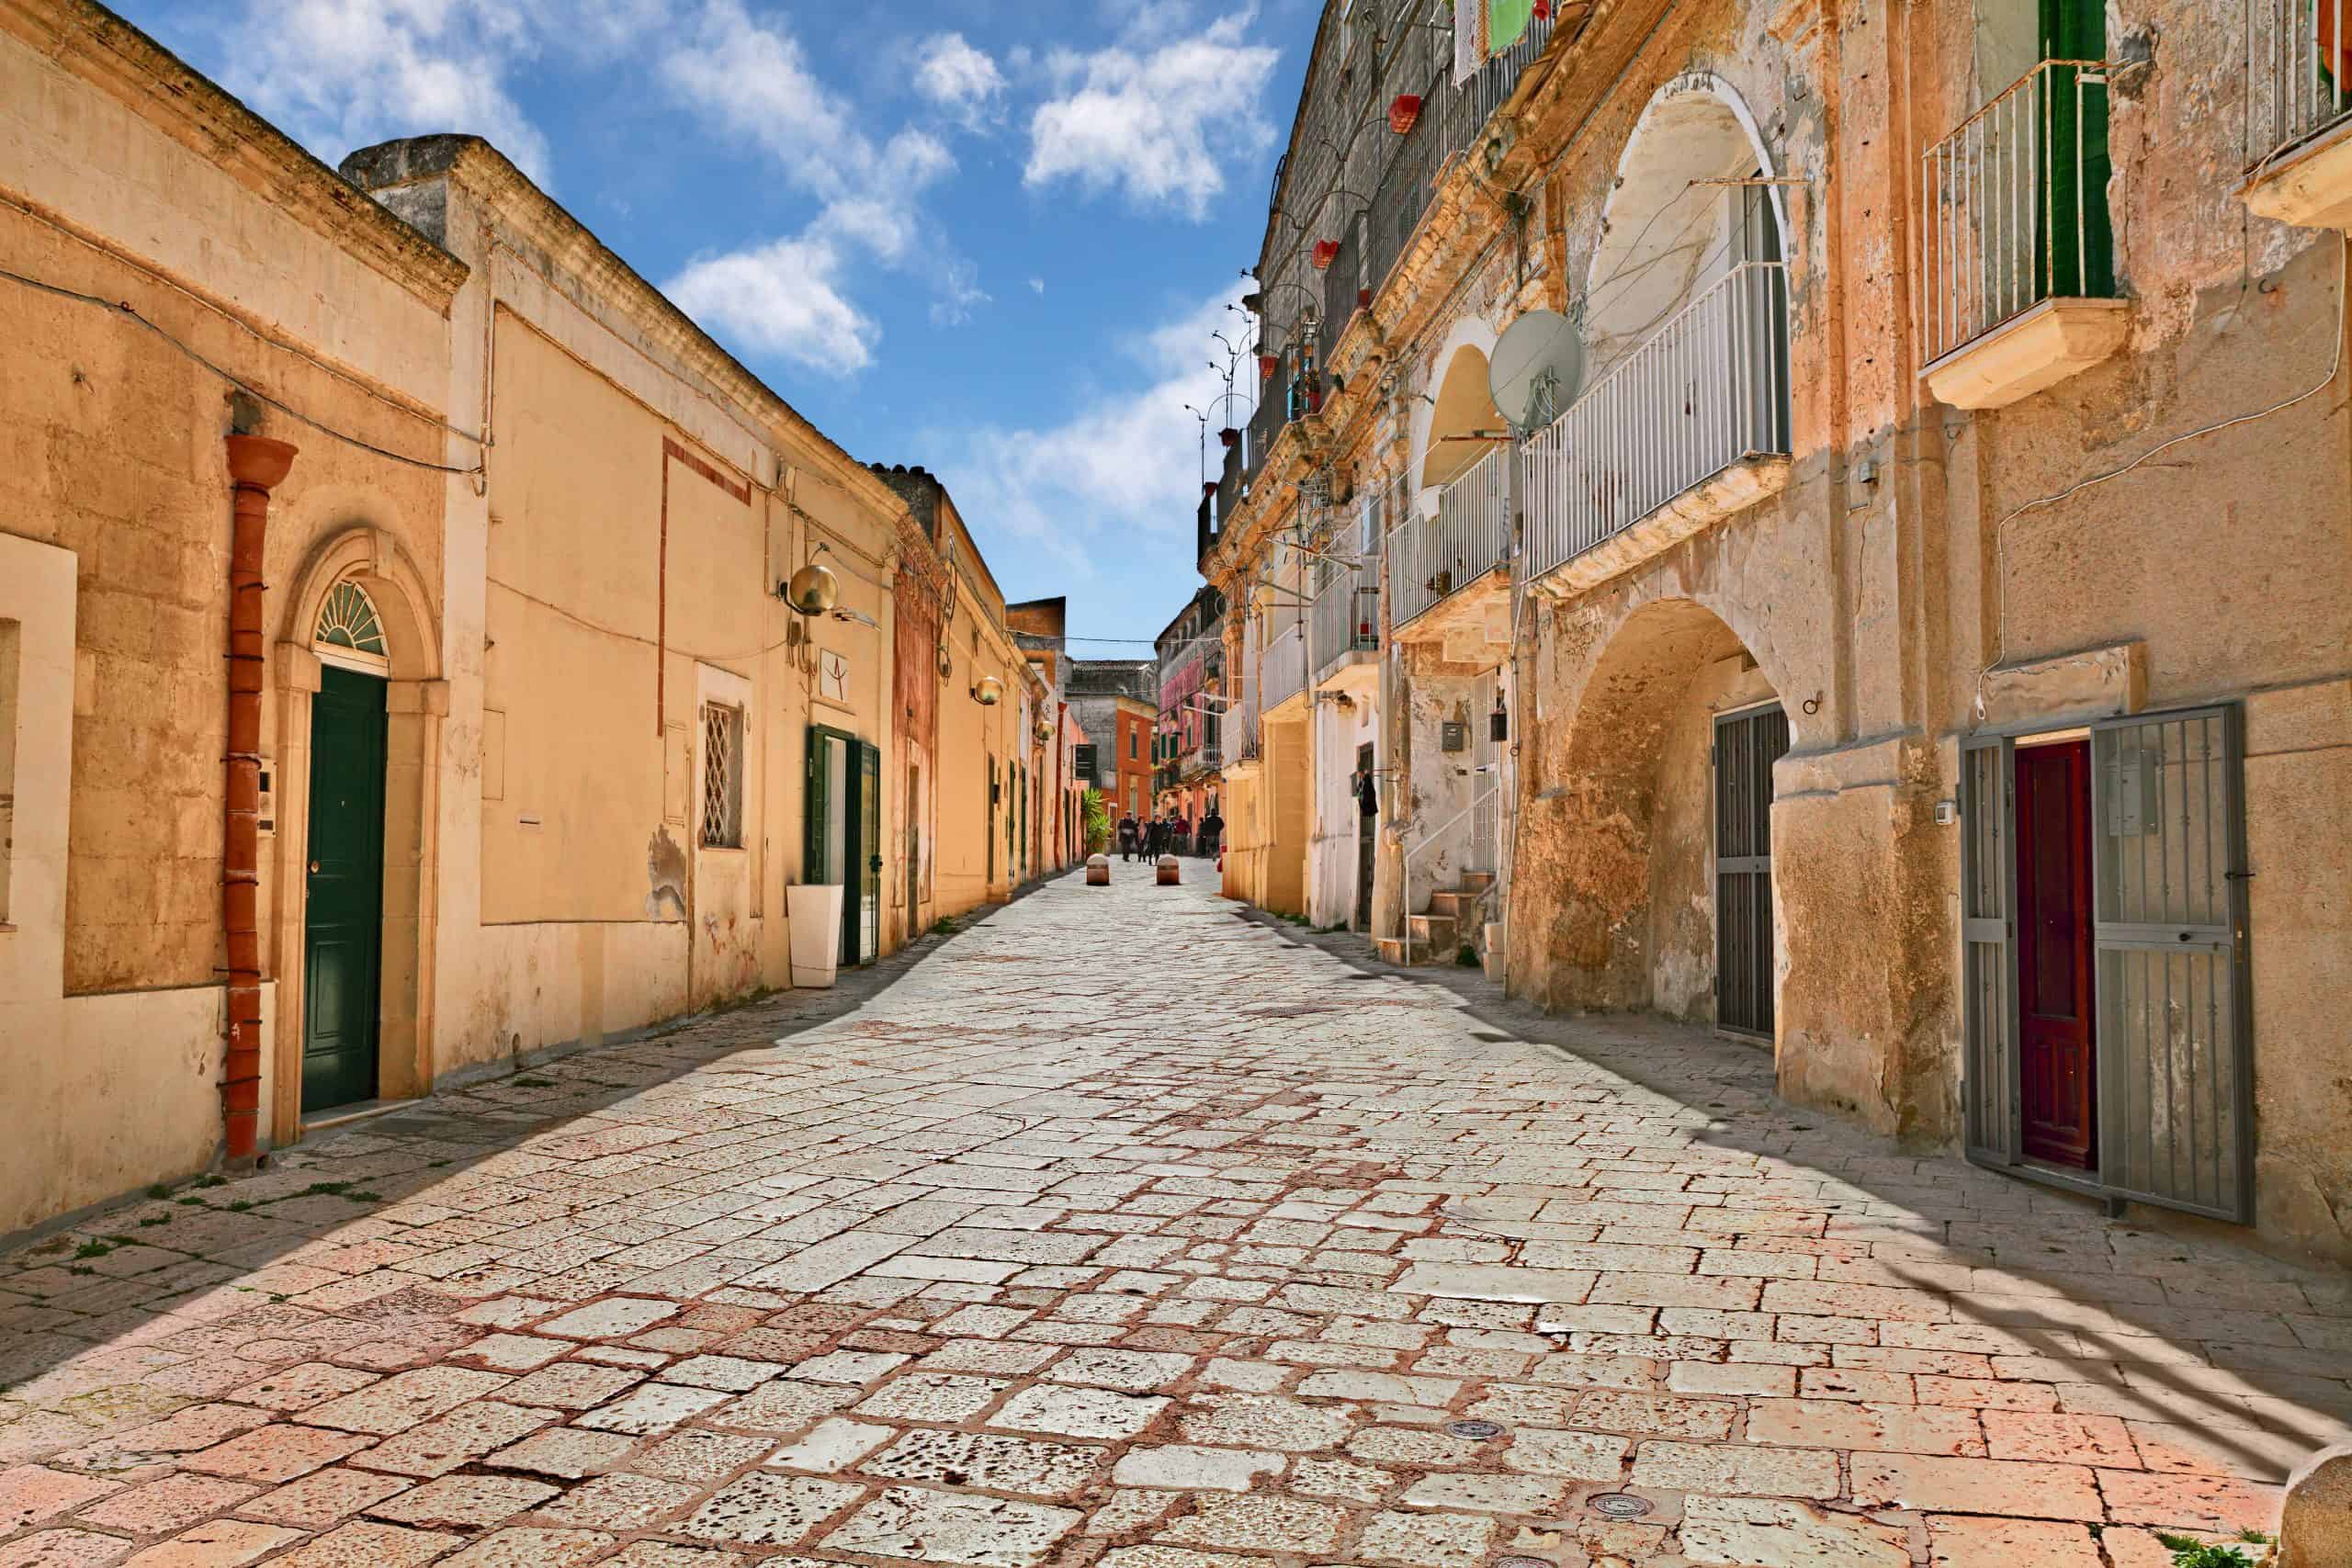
x: 1619, y: 1505
x: 1481, y: 1430
x: 1525, y: 1562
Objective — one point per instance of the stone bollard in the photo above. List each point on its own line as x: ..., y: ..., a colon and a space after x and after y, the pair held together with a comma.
x: 1098, y: 870
x: 1169, y: 875
x: 2315, y: 1530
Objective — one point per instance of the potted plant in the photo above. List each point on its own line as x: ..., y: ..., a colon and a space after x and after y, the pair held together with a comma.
x: 1230, y: 436
x: 1325, y: 252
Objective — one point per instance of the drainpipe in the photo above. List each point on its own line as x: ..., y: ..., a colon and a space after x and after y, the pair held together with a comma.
x: 257, y: 464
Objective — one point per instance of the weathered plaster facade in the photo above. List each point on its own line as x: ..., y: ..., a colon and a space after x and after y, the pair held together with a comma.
x: 556, y: 516
x: 1895, y: 574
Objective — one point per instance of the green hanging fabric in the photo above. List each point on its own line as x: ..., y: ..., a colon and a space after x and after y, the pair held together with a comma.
x: 1506, y: 23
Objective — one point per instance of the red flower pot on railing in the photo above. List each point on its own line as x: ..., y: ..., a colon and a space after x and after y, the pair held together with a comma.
x: 1267, y: 365
x: 1230, y: 436
x: 1404, y: 112
x: 1208, y: 488
x: 1326, y: 253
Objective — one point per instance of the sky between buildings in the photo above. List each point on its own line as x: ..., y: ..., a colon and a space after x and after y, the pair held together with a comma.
x: 990, y: 237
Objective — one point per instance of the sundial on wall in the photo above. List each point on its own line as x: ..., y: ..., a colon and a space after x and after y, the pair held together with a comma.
x: 832, y: 677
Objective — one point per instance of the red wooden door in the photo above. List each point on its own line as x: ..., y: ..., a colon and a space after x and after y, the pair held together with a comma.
x: 2054, y: 987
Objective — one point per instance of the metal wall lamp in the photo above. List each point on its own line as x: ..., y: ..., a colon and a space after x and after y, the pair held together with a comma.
x: 813, y: 590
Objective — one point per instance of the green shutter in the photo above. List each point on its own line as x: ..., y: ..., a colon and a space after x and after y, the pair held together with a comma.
x: 813, y: 869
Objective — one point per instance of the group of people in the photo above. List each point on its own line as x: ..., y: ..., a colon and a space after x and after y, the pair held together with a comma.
x: 1173, y: 833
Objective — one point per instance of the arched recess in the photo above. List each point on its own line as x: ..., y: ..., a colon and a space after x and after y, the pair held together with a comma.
x: 370, y: 558
x: 1461, y: 405
x: 1667, y: 233
x: 1633, y: 876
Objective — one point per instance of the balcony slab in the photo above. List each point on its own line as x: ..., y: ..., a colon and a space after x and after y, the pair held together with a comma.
x: 1701, y: 507
x: 1355, y: 674
x: 2038, y: 349
x: 1463, y: 612
x: 2309, y: 187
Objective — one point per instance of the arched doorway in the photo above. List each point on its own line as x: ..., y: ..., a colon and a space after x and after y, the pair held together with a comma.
x: 1662, y: 890
x: 357, y: 668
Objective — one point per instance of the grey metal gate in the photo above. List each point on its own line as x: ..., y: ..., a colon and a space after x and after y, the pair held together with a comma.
x: 1747, y: 745
x: 2175, y: 1075
x: 1988, y: 1080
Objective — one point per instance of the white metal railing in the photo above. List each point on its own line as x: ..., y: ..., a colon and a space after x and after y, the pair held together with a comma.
x: 1242, y: 720
x: 2298, y: 57
x: 2015, y: 206
x: 1430, y: 839
x: 1285, y: 665
x: 1347, y: 615
x: 1432, y: 558
x: 1708, y: 389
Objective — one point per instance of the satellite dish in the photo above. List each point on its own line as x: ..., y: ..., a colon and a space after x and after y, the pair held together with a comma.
x: 1537, y: 369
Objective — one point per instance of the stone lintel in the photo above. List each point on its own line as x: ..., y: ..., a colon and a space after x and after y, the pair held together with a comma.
x: 2092, y: 682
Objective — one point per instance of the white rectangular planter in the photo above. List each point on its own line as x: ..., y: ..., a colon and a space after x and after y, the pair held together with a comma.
x: 815, y: 915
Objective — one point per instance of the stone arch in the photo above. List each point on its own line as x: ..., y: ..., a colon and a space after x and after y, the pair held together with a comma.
x: 367, y: 556
x: 1458, y: 405
x: 1629, y: 865
x: 1664, y: 236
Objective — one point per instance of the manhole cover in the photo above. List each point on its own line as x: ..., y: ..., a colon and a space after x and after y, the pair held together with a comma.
x: 1524, y: 1562
x: 1478, y: 1429
x: 1620, y: 1506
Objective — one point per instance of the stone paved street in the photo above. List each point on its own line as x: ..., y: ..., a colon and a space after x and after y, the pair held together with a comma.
x: 1123, y: 1230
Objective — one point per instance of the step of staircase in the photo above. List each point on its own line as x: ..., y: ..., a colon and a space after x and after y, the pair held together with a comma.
x: 1436, y: 931
x: 1474, y: 882
x: 1456, y: 904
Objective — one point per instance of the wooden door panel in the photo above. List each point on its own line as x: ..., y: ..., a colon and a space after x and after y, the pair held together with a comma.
x: 344, y: 907
x: 2056, y: 1068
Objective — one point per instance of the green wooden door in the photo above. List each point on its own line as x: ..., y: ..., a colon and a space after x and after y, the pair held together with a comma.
x: 344, y: 927
x: 2078, y: 243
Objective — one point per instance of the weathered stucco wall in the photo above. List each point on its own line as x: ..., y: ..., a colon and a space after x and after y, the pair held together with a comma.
x: 115, y: 520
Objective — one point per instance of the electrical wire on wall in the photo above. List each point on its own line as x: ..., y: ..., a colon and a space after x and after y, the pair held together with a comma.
x: 123, y: 310
x: 2000, y: 528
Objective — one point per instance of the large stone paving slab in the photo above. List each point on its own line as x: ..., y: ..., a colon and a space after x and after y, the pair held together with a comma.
x: 1033, y: 1252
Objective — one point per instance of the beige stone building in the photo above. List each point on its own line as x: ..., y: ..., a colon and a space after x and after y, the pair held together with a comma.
x: 520, y: 745
x: 1899, y: 611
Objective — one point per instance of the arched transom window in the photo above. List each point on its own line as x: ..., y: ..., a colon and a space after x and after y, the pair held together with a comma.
x: 349, y: 633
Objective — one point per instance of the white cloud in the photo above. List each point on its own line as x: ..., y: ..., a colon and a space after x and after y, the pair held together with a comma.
x: 783, y: 299
x: 344, y: 73
x: 752, y: 77
x: 1129, y: 463
x: 959, y: 294
x: 1154, y: 122
x: 959, y: 78
x: 1037, y: 284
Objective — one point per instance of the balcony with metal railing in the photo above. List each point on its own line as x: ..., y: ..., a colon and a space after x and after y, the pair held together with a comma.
x: 1680, y: 432
x: 1282, y: 670
x: 1344, y: 628
x: 1445, y: 571
x: 2299, y: 104
x: 1240, y: 741
x: 2017, y: 251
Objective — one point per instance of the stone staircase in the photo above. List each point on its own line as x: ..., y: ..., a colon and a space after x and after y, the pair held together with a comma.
x: 1439, y: 932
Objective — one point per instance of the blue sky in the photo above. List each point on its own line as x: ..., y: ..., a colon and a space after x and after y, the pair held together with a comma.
x: 989, y: 237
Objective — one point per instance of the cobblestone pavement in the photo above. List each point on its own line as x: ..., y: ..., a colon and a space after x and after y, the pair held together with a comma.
x: 1123, y: 1230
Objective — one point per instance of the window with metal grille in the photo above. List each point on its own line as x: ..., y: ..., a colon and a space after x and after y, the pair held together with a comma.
x: 722, y: 776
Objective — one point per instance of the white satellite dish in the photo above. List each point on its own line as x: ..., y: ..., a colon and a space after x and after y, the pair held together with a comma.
x: 1537, y: 369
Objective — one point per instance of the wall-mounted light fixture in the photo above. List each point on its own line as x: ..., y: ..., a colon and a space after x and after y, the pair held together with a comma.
x: 988, y: 691
x: 814, y: 589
